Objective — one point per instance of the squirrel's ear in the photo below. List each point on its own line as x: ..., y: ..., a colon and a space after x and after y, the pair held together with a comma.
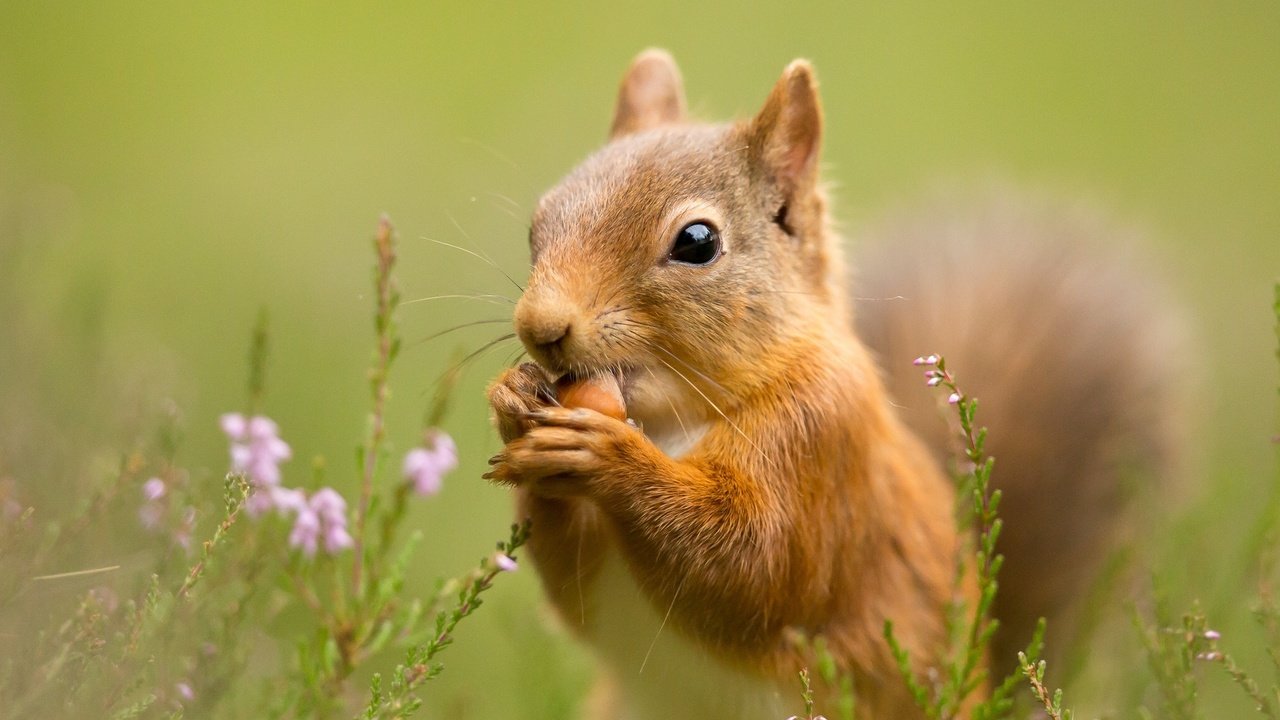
x: 652, y: 94
x: 785, y: 135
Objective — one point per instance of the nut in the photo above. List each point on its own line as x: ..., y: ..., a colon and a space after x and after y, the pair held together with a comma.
x: 597, y: 392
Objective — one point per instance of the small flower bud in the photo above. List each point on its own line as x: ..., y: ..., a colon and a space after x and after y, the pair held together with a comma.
x: 305, y: 534
x: 321, y: 517
x: 954, y: 398
x: 256, y: 451
x: 425, y: 467
x: 153, y: 489
x: 233, y: 424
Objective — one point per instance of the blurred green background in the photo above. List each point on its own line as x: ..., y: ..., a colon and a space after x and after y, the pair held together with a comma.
x: 168, y: 168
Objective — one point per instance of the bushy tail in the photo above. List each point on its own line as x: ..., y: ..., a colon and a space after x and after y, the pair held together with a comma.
x: 1070, y: 352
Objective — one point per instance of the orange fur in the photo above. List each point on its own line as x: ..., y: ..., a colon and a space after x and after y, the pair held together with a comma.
x: 769, y: 486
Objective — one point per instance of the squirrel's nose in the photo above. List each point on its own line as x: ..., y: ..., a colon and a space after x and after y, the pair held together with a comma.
x: 543, y: 323
x: 546, y: 335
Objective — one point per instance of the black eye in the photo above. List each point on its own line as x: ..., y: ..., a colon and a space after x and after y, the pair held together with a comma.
x: 697, y: 243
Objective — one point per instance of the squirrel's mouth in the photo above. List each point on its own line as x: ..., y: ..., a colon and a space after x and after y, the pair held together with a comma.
x: 623, y: 374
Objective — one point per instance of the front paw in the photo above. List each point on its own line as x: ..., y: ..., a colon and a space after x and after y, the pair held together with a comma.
x: 570, y: 452
x: 516, y: 393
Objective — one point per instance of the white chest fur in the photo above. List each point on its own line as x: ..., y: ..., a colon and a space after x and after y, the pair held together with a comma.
x: 658, y: 673
x: 661, y: 675
x: 678, y: 441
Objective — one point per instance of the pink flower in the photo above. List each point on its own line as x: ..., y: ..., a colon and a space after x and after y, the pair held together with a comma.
x: 926, y: 360
x: 305, y: 534
x: 233, y: 424
x: 155, y: 508
x: 337, y: 539
x: 286, y: 500
x: 151, y: 514
x: 321, y: 518
x: 185, y: 691
x: 953, y: 398
x: 153, y: 489
x: 256, y: 451
x: 182, y: 534
x: 504, y: 562
x: 1212, y: 635
x: 425, y: 467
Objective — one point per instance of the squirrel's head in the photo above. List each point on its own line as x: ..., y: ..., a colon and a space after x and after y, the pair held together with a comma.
x: 682, y: 248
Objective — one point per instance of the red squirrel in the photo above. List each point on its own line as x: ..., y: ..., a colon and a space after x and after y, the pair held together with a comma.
x: 765, y: 481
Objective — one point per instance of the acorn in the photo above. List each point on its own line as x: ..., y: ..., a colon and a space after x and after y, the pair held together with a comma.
x: 597, y: 392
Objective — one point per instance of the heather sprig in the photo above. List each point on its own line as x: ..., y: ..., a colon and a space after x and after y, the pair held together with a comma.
x: 806, y: 696
x: 837, y: 680
x: 1001, y: 701
x: 420, y: 666
x: 177, y: 643
x: 235, y: 492
x: 1205, y: 646
x: 1052, y: 702
x: 387, y: 348
x: 1171, y: 657
x: 369, y: 612
x: 970, y: 628
x: 1174, y: 651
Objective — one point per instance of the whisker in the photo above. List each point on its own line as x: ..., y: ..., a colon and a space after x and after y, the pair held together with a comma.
x: 478, y: 256
x: 487, y: 297
x: 637, y: 341
x: 783, y: 292
x: 813, y: 294
x: 655, y: 346
x: 675, y: 412
x: 715, y: 407
x: 658, y: 634
x: 491, y: 150
x: 613, y: 311
x: 458, y: 367
x: 693, y: 369
x: 513, y: 360
x: 616, y: 292
x: 521, y: 219
x: 514, y: 205
x: 473, y: 323
x: 582, y: 603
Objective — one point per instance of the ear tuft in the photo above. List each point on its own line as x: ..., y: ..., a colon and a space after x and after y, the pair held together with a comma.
x: 786, y: 134
x: 652, y: 94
